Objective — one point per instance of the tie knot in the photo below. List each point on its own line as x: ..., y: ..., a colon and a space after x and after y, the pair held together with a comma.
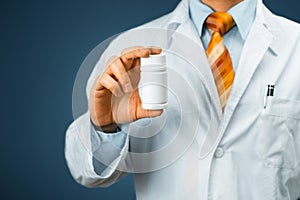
x: 219, y: 22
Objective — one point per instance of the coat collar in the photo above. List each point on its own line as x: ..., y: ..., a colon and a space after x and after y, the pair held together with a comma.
x: 242, y: 13
x: 181, y: 15
x: 267, y: 19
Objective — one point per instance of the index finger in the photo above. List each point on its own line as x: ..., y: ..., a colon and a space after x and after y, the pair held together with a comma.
x: 154, y: 50
x: 140, y: 52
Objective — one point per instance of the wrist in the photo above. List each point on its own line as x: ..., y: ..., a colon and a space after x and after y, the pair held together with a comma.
x: 109, y: 128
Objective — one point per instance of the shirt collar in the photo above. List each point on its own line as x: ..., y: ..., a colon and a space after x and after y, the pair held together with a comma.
x: 242, y: 13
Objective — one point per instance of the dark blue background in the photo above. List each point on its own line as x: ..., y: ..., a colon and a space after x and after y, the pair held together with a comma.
x: 42, y: 46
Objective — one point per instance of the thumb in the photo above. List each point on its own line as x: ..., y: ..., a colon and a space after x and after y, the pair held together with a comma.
x: 139, y: 111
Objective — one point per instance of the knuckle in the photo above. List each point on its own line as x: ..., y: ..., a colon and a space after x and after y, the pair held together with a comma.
x: 117, y: 65
x: 125, y: 56
x: 112, y: 88
x: 102, y: 81
x: 111, y: 60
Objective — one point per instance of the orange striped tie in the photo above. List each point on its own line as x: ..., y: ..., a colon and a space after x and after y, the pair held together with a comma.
x: 218, y: 56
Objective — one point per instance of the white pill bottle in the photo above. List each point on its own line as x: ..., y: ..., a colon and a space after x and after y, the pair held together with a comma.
x: 153, y: 86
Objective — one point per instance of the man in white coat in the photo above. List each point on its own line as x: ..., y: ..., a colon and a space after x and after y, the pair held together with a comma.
x: 256, y: 153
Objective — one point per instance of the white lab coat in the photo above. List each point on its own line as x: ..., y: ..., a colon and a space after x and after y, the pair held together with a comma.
x: 256, y: 153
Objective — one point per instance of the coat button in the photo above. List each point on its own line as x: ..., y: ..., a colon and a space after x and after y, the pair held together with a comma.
x: 219, y: 153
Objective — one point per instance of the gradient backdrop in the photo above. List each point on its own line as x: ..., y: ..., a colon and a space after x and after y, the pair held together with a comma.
x: 42, y: 46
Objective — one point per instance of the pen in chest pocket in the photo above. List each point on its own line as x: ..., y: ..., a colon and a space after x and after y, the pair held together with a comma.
x: 269, y: 92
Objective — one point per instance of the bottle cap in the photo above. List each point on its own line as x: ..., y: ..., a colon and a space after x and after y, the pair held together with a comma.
x: 159, y: 59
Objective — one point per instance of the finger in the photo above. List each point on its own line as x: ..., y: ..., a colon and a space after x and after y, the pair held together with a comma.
x: 139, y: 52
x: 129, y: 49
x: 128, y: 57
x: 154, y: 50
x: 111, y: 84
x: 118, y: 70
x: 135, y: 76
x: 97, y: 84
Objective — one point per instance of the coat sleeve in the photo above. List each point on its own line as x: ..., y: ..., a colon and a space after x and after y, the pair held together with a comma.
x: 95, y: 159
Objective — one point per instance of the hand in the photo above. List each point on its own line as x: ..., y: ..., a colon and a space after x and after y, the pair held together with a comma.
x: 114, y: 97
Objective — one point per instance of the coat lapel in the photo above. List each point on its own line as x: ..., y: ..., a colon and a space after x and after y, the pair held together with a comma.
x: 256, y: 45
x: 185, y: 27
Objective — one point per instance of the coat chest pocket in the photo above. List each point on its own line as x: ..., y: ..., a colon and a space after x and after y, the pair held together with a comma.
x: 278, y: 134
